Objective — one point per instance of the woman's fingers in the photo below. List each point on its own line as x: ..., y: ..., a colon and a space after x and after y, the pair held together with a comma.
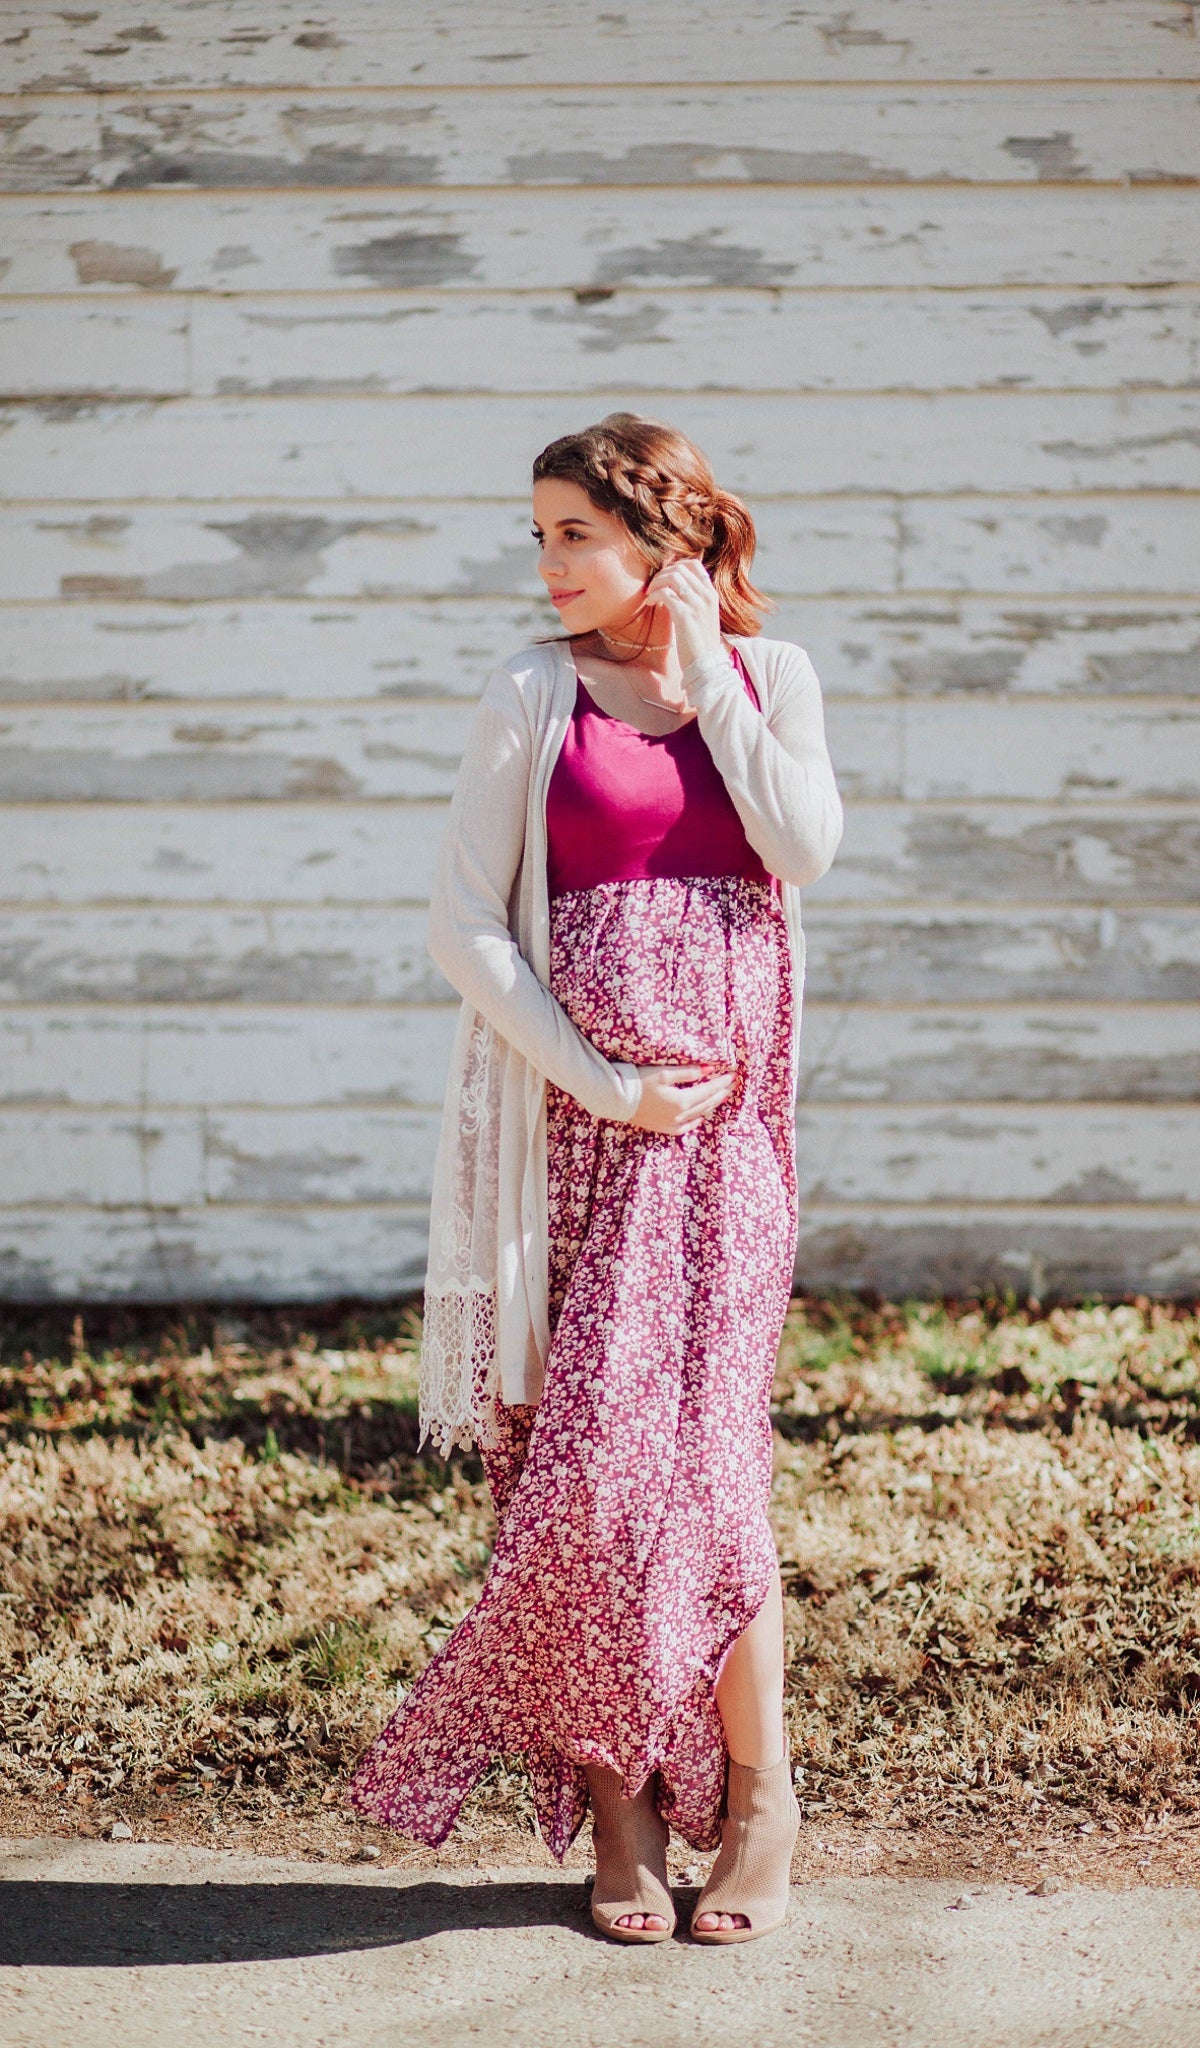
x: 682, y: 1096
x: 700, y: 1091
x: 693, y: 1092
x: 694, y: 1104
x: 686, y: 594
x: 698, y: 1102
x: 687, y: 577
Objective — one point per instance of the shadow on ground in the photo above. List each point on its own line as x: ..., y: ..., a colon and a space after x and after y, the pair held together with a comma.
x: 126, y: 1926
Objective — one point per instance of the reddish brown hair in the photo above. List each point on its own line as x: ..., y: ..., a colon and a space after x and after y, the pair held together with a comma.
x: 660, y: 486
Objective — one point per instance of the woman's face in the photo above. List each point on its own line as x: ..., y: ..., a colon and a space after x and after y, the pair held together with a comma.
x: 589, y: 564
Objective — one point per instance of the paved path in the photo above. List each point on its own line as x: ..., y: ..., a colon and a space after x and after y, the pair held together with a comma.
x: 136, y: 1945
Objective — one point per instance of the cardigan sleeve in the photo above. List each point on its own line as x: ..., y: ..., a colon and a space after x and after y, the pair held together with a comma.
x: 776, y: 768
x: 469, y: 936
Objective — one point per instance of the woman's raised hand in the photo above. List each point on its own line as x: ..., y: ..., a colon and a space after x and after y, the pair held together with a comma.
x: 676, y: 1099
x: 686, y: 593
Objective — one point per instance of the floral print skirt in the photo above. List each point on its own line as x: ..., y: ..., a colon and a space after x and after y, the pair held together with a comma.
x: 633, y: 1546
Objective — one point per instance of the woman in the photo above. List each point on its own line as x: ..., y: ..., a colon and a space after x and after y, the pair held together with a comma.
x: 614, y: 1212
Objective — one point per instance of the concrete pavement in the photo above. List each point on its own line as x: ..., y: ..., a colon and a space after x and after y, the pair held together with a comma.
x: 132, y: 1945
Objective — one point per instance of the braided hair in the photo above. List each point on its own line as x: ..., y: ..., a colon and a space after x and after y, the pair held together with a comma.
x: 660, y: 486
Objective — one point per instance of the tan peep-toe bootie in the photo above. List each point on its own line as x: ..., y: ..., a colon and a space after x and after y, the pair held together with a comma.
x: 753, y: 1866
x: 630, y: 1838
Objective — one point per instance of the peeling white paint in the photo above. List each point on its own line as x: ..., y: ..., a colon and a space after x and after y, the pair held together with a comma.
x: 538, y: 42
x: 987, y: 237
x: 283, y: 318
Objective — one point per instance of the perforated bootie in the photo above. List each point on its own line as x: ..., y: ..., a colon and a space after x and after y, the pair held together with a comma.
x: 630, y: 1838
x: 754, y: 1862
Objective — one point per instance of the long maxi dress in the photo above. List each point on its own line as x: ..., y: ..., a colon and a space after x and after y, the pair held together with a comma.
x: 633, y: 1546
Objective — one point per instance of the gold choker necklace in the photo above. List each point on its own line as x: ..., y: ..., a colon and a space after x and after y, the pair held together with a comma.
x: 642, y: 646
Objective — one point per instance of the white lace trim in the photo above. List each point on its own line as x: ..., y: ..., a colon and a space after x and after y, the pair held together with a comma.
x: 459, y: 1368
x: 458, y: 1379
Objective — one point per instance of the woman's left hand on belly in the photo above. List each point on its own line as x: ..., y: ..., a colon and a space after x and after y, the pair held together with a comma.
x: 676, y: 1099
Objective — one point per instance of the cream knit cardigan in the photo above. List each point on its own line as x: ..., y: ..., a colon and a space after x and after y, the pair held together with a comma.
x: 486, y: 1331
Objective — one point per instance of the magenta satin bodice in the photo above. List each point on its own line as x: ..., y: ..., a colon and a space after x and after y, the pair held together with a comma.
x: 624, y: 805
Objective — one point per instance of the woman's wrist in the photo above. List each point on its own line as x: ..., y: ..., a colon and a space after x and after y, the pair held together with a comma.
x: 708, y: 676
x: 632, y: 1084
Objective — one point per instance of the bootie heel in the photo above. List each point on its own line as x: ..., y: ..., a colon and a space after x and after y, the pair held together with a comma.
x: 630, y: 1838
x: 753, y: 1866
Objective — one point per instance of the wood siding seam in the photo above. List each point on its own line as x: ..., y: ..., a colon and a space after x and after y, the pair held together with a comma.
x: 928, y: 297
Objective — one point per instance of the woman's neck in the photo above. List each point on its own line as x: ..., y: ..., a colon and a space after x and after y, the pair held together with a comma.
x: 658, y: 671
x: 645, y: 644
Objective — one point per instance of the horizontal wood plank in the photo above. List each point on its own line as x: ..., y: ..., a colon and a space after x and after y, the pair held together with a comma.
x: 1063, y: 1052
x: 154, y: 752
x: 222, y: 551
x: 1132, y: 546
x: 61, y: 347
x: 225, y: 1058
x: 296, y: 1156
x: 147, y: 853
x: 408, y: 751
x: 683, y: 340
x: 1096, y: 544
x: 881, y: 748
x: 381, y: 853
x: 1015, y: 853
x: 1072, y: 753
x: 231, y: 1253
x: 343, y: 449
x: 306, y: 1156
x: 1031, y: 956
x: 229, y: 43
x: 586, y: 240
x: 229, y: 1057
x: 367, y: 955
x: 973, y: 649
x: 777, y: 135
x: 183, y: 955
x: 678, y: 340
x: 962, y: 648
x: 1049, y: 1254
x: 211, y: 1253
x: 297, y: 650
x: 1062, y: 1154
x: 98, y: 1158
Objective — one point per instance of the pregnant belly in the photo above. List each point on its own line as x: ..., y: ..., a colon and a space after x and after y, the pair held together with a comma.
x: 667, y: 970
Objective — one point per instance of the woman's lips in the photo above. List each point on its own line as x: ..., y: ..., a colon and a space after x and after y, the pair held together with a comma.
x: 564, y: 596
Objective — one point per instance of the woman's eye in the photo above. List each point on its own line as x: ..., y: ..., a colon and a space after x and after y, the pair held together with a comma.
x: 540, y: 538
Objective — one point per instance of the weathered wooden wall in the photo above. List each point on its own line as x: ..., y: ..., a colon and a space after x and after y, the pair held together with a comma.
x: 288, y: 299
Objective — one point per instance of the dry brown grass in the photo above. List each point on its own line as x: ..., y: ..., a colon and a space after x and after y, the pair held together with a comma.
x: 220, y: 1555
x: 992, y: 1544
